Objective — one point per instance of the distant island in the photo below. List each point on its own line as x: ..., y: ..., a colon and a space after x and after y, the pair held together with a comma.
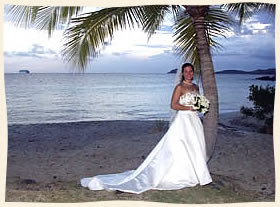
x: 24, y: 71
x: 173, y: 71
x: 270, y: 71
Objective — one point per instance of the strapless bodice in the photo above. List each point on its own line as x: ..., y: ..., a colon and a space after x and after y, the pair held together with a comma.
x: 187, y: 99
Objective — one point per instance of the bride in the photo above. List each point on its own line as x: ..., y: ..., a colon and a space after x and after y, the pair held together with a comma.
x: 179, y: 160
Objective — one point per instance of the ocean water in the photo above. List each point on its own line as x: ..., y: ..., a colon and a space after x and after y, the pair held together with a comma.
x: 54, y: 98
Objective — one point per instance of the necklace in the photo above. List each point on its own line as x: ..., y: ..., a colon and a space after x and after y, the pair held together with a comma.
x: 187, y: 83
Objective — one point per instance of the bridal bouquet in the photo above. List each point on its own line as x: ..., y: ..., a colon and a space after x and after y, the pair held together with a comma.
x: 201, y: 103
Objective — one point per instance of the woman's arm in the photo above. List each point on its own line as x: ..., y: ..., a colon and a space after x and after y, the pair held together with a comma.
x: 175, y: 100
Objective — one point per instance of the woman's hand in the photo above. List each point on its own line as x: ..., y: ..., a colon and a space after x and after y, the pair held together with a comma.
x: 191, y: 108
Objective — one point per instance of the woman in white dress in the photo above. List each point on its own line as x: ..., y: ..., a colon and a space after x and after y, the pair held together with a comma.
x: 179, y: 160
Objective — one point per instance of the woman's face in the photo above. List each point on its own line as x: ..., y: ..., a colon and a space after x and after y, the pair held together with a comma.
x: 188, y: 73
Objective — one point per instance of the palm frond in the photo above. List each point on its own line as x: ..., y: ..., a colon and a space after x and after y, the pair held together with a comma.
x: 267, y: 7
x: 246, y: 10
x: 154, y: 17
x: 89, y: 32
x: 42, y: 17
x: 242, y: 10
x: 185, y: 44
x: 217, y: 23
x: 22, y: 16
x: 176, y: 11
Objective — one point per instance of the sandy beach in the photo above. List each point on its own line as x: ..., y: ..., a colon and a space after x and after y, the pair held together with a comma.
x: 46, y: 161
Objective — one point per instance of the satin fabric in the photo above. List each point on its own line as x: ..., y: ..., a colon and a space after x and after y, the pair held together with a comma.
x: 179, y: 160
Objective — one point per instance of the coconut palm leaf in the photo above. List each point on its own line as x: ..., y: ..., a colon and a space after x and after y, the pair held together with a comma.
x: 22, y: 16
x: 217, y: 23
x: 267, y: 7
x: 244, y: 11
x: 91, y: 31
x: 154, y: 17
x: 185, y: 44
x: 41, y: 17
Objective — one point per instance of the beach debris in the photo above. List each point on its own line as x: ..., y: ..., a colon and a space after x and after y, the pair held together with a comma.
x: 214, y: 186
x: 28, y: 181
x: 264, y: 186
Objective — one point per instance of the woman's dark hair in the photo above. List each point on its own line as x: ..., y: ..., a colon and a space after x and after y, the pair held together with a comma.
x: 183, y: 67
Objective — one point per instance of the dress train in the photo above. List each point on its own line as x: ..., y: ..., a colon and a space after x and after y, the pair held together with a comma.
x: 179, y: 160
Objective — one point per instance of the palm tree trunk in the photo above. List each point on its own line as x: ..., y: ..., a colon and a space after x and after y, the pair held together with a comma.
x: 210, y: 120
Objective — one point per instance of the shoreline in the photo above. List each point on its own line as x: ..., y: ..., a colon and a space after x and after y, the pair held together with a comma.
x: 51, y: 154
x: 222, y: 114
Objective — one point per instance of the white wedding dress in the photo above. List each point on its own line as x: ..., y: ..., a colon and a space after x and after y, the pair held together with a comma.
x: 179, y: 160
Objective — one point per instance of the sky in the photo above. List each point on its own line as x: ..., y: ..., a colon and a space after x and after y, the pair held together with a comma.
x: 248, y: 47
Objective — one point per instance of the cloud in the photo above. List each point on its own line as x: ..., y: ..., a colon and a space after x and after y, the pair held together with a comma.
x: 36, y: 50
x: 133, y: 64
x: 152, y: 46
x: 252, y: 46
x: 267, y: 53
x: 39, y: 49
x: 261, y: 23
x: 120, y: 53
x: 255, y: 27
x: 245, y: 48
x: 20, y: 54
x: 246, y: 52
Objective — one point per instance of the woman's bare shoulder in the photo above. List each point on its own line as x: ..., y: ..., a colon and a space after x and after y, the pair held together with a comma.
x: 178, y: 86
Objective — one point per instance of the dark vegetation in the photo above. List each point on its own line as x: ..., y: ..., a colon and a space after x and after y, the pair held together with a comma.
x: 263, y: 101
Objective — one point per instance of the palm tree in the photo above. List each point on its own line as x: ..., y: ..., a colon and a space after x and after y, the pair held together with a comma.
x: 195, y: 30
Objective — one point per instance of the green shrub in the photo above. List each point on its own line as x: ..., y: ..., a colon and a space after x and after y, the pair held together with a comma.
x: 263, y: 101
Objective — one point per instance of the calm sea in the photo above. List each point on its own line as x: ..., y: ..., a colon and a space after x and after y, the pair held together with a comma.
x: 53, y: 98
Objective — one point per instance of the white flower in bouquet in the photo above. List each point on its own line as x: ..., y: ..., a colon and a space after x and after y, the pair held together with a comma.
x: 188, y: 99
x: 201, y: 103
